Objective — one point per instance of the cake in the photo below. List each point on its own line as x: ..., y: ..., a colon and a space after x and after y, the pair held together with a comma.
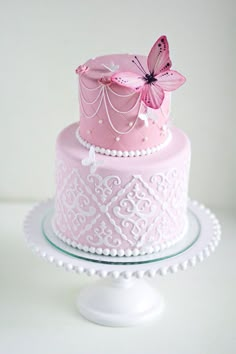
x: 122, y: 170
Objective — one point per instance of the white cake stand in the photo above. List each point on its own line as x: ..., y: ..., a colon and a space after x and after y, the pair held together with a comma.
x: 124, y: 298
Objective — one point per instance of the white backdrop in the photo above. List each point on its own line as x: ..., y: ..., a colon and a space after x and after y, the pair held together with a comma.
x: 42, y: 42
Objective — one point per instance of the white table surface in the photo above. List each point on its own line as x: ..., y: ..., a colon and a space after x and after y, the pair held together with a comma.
x: 38, y: 313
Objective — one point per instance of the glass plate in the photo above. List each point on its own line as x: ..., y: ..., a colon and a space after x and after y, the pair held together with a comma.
x: 191, y: 236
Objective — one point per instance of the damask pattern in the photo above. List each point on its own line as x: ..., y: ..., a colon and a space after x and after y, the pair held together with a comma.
x: 99, y: 211
x: 103, y: 186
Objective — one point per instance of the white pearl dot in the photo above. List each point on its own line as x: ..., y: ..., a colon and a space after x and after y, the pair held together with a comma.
x: 125, y: 154
x: 107, y: 152
x: 117, y: 138
x: 106, y: 252
x: 119, y: 153
x: 135, y: 252
x: 88, y: 131
x: 113, y: 252
x: 145, y: 138
x: 113, y: 152
x: 121, y: 253
x: 100, y: 121
x: 131, y: 153
x: 143, y: 152
x: 130, y: 124
x: 154, y: 149
x: 128, y: 252
x: 102, y: 151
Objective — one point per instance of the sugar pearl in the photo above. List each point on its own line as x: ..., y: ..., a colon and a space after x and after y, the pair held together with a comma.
x: 100, y: 121
x: 131, y: 153
x: 143, y: 152
x: 117, y: 138
x: 130, y: 124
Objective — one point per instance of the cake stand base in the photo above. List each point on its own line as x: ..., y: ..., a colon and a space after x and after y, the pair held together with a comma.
x: 120, y: 302
x: 122, y: 297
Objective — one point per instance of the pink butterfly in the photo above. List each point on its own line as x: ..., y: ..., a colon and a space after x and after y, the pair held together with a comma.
x: 159, y: 79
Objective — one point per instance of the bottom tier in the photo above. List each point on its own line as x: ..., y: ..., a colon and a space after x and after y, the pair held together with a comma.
x: 121, y: 205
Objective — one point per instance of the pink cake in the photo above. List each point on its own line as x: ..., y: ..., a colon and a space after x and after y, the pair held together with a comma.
x: 122, y: 171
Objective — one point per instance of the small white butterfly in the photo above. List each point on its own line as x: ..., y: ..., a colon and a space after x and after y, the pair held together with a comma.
x: 91, y: 161
x: 149, y: 113
x: 112, y: 67
x: 144, y: 117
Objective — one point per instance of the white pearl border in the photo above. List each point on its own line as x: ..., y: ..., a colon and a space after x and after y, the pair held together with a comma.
x: 201, y: 254
x: 120, y: 252
x: 119, y: 153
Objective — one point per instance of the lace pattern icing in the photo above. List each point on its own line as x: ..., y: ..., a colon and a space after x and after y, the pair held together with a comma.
x: 106, y: 212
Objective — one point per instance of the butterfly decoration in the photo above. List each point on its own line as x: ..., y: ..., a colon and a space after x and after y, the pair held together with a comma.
x: 147, y: 113
x: 112, y: 67
x: 81, y: 69
x: 144, y: 117
x: 105, y: 80
x: 91, y: 161
x: 154, y: 82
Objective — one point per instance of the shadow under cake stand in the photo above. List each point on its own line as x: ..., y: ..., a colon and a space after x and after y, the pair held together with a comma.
x: 124, y: 298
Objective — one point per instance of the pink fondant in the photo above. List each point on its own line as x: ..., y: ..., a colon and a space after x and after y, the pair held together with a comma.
x: 126, y: 203
x: 109, y: 112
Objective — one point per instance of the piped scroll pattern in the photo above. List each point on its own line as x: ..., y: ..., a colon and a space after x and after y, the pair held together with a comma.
x: 103, y: 186
x: 107, y: 212
x: 103, y: 235
x: 172, y: 188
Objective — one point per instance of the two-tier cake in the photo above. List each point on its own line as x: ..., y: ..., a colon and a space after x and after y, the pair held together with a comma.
x: 122, y: 171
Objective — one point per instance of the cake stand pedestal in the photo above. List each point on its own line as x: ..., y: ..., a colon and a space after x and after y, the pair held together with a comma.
x: 121, y: 302
x: 123, y: 297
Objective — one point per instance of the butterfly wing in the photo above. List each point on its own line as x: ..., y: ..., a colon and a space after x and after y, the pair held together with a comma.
x: 170, y: 80
x: 93, y: 168
x: 152, y: 95
x: 90, y: 159
x: 144, y: 117
x: 112, y: 67
x: 129, y: 79
x: 95, y: 165
x: 158, y: 60
x: 92, y: 154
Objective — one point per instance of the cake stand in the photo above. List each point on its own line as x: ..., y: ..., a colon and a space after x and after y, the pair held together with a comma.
x: 123, y: 297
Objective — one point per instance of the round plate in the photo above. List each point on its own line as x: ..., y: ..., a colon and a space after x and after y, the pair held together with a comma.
x: 191, y: 236
x: 201, y: 238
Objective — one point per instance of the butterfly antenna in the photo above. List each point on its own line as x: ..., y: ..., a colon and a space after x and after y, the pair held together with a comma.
x: 139, y: 65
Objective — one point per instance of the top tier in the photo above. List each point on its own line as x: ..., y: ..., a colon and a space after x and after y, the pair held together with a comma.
x: 125, y: 101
